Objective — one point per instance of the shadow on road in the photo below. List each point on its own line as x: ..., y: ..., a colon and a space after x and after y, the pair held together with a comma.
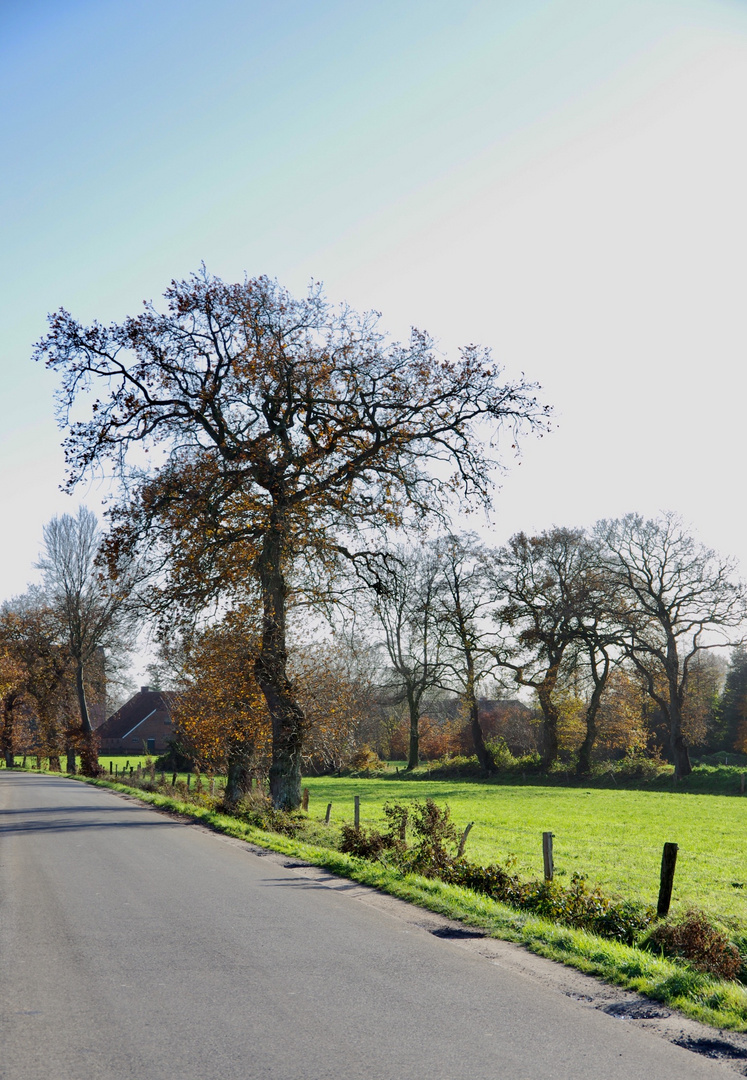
x: 90, y: 819
x: 60, y: 823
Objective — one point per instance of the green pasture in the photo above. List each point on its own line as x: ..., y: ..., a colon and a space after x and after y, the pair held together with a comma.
x: 614, y: 837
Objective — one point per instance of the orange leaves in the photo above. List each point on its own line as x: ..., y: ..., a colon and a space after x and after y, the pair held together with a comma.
x: 222, y: 703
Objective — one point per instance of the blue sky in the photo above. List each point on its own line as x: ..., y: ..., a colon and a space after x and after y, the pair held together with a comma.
x: 563, y: 181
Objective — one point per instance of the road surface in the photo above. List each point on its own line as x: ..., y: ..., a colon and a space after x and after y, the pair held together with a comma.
x: 136, y: 945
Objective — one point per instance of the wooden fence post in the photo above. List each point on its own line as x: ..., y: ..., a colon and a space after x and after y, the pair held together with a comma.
x: 329, y: 811
x: 547, y: 855
x: 668, y: 863
x: 173, y: 780
x: 463, y: 841
x: 357, y: 811
x: 305, y: 799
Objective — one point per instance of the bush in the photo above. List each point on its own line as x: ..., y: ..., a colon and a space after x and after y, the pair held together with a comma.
x: 256, y: 809
x: 508, y: 762
x: 366, y: 845
x: 366, y: 760
x: 694, y: 938
x: 574, y: 905
x: 454, y: 768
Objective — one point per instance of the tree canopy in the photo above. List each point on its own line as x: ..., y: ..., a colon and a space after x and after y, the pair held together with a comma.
x: 280, y: 429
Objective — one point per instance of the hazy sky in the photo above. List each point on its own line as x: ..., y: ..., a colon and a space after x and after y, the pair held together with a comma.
x: 563, y: 181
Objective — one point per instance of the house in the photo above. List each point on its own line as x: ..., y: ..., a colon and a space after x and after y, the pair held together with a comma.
x: 142, y: 725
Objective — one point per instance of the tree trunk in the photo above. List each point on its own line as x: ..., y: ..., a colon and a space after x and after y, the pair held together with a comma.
x: 677, y: 744
x: 583, y: 768
x: 54, y: 763
x: 484, y: 756
x: 89, y: 750
x: 270, y: 668
x: 6, y: 737
x: 549, y: 727
x: 413, y: 753
x: 70, y: 759
x: 238, y: 780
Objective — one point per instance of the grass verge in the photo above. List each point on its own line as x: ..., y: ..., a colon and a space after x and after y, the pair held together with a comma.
x: 711, y: 1001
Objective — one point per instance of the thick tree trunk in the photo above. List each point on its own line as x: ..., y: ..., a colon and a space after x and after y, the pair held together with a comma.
x: 286, y: 714
x: 549, y: 727
x: 54, y: 763
x: 10, y: 760
x: 677, y: 744
x: 70, y: 759
x: 239, y: 779
x: 89, y: 750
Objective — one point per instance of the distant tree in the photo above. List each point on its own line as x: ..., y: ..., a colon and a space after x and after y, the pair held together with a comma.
x: 406, y: 611
x: 545, y: 606
x: 462, y: 604
x: 336, y: 690
x: 700, y: 705
x: 679, y: 597
x: 283, y: 428
x: 91, y: 612
x: 731, y: 711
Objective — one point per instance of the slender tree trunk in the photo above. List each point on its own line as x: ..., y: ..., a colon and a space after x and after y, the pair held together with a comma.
x: 286, y: 714
x: 413, y: 754
x: 70, y: 759
x: 484, y: 756
x: 583, y: 768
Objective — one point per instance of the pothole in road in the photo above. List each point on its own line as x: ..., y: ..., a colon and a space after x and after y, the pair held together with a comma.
x: 713, y: 1048
x: 636, y: 1010
x: 456, y: 933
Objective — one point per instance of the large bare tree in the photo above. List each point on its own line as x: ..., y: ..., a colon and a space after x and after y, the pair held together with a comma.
x: 281, y: 428
x: 678, y: 597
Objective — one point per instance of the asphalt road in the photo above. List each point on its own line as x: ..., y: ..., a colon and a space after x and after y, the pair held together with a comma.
x: 133, y: 945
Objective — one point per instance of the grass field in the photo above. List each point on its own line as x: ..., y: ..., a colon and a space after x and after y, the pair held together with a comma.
x: 614, y: 837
